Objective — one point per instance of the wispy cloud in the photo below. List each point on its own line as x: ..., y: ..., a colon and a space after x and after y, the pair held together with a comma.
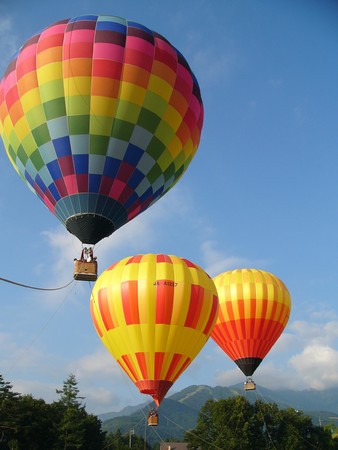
x: 315, y: 332
x: 8, y: 41
x: 212, y: 66
x: 216, y: 261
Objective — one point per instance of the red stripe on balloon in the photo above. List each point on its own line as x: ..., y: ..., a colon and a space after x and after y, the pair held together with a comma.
x: 129, y: 294
x: 164, y: 302
x: 103, y: 303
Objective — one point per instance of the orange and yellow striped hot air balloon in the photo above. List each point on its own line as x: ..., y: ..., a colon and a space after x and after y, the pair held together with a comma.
x: 154, y: 313
x: 254, y: 310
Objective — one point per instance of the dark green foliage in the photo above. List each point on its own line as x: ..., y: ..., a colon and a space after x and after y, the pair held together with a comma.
x: 237, y: 424
x: 77, y: 429
x: 71, y: 425
x: 30, y: 424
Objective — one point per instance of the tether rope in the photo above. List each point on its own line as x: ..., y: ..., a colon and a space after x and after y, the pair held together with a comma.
x: 27, y: 286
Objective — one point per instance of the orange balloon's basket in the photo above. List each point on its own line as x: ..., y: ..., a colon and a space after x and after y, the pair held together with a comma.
x: 249, y: 385
x: 153, y: 419
x: 85, y: 271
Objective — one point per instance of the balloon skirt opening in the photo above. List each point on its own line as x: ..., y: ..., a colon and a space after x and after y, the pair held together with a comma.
x: 156, y: 388
x: 248, y: 365
x: 90, y: 228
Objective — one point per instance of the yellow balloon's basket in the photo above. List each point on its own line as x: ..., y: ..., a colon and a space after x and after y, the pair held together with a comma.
x: 85, y: 271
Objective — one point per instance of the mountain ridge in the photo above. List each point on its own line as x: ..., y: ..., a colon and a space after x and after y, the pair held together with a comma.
x: 179, y: 412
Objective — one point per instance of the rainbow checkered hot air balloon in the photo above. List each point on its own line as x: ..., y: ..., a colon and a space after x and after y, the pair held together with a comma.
x: 154, y: 313
x: 100, y: 116
x: 254, y: 310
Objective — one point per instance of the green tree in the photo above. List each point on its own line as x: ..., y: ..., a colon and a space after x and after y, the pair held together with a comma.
x: 8, y: 416
x: 71, y: 426
x: 234, y: 423
x: 77, y: 429
x: 6, y: 390
x: 36, y: 424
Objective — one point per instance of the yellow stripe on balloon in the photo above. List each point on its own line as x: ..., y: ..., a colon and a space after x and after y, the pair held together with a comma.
x: 160, y: 87
x: 103, y: 107
x: 131, y: 93
x: 50, y: 72
x: 75, y: 86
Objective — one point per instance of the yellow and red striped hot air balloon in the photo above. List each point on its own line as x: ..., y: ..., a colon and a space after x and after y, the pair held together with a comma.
x: 154, y: 313
x: 254, y: 310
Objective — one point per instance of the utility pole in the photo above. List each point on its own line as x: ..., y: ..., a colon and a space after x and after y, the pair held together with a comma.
x: 131, y: 432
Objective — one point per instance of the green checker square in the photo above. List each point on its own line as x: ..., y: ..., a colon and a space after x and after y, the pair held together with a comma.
x: 128, y: 111
x: 78, y: 124
x: 179, y: 172
x: 101, y: 125
x: 55, y: 108
x: 112, y: 19
x: 98, y: 144
x: 41, y: 134
x: 154, y: 173
x: 187, y: 161
x: 78, y: 105
x: 148, y: 120
x: 180, y: 159
x: 51, y: 90
x: 22, y: 155
x: 164, y: 133
x: 29, y: 144
x: 155, y: 103
x: 35, y: 116
x: 11, y: 153
x: 37, y: 160
x: 169, y: 172
x: 14, y: 140
x: 122, y: 130
x: 155, y: 148
x: 164, y: 160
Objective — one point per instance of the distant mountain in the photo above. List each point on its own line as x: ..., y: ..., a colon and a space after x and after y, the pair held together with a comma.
x: 127, y: 411
x: 179, y: 412
x: 174, y: 419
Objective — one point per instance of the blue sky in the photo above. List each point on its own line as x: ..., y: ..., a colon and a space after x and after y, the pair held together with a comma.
x: 262, y: 192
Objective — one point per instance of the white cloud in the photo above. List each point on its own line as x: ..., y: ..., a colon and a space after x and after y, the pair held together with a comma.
x: 315, y: 332
x: 326, y: 314
x: 38, y: 389
x: 14, y: 356
x: 283, y: 344
x: 212, y: 67
x: 216, y: 262
x: 317, y: 366
x: 98, y: 364
x: 229, y: 377
x: 8, y: 41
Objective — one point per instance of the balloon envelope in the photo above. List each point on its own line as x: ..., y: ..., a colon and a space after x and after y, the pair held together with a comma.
x: 154, y: 313
x: 100, y: 116
x: 254, y: 310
